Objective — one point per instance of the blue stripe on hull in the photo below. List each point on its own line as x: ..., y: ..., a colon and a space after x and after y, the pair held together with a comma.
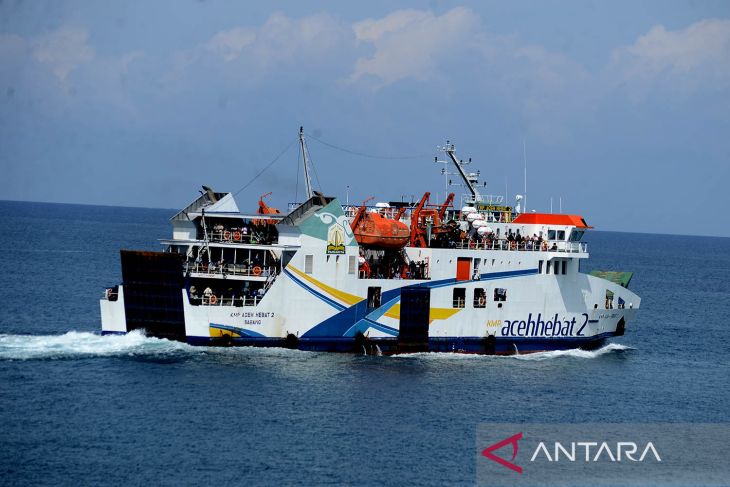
x: 445, y: 344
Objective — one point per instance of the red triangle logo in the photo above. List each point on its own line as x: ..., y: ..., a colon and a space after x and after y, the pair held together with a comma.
x: 512, y: 440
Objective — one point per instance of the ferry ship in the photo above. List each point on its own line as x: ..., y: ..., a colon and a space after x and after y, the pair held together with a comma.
x: 478, y: 277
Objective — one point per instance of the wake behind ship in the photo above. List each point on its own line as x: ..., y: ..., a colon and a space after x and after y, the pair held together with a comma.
x: 392, y: 278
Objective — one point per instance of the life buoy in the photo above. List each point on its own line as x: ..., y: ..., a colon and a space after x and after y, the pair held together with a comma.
x: 226, y: 235
x: 237, y: 236
x: 212, y: 299
x: 257, y: 271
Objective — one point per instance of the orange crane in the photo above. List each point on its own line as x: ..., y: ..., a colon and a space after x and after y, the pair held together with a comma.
x: 420, y: 216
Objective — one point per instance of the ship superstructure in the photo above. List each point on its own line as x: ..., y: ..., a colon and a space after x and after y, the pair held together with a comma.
x: 393, y: 277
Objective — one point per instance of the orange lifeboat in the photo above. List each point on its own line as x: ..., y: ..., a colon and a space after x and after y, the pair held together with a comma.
x: 376, y: 231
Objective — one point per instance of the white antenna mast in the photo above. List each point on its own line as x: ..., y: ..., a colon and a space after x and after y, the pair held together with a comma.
x: 524, y: 157
x: 449, y: 149
x: 305, y: 157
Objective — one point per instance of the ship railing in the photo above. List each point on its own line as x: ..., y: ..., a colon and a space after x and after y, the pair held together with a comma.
x: 215, y: 300
x: 239, y: 237
x: 528, y: 246
x: 230, y: 269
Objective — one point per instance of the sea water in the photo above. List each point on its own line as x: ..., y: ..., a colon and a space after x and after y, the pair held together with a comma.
x: 81, y: 409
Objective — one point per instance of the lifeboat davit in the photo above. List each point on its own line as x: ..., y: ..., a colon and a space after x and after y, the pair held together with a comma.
x: 265, y: 209
x: 376, y: 231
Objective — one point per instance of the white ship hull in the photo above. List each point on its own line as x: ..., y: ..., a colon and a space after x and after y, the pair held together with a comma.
x: 548, y: 303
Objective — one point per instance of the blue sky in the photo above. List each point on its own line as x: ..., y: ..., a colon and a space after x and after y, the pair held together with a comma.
x: 624, y: 106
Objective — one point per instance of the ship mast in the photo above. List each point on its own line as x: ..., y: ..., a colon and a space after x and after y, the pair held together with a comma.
x: 305, y: 157
x: 449, y: 149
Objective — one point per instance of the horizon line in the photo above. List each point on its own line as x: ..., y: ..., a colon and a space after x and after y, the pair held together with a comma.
x: 174, y: 209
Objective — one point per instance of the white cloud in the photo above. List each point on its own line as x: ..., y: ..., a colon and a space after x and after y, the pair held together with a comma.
x: 279, y: 39
x: 63, y: 50
x: 229, y: 43
x: 682, y: 59
x: 408, y: 43
x: 282, y: 38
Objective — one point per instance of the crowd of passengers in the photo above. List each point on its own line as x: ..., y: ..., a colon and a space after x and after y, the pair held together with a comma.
x: 451, y: 236
x: 392, y: 265
x: 222, y: 267
x: 212, y: 295
x: 247, y: 267
x: 513, y: 241
x: 249, y: 232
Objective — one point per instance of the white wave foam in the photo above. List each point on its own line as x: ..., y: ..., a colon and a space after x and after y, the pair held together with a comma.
x: 83, y: 345
x: 575, y: 352
x: 536, y: 356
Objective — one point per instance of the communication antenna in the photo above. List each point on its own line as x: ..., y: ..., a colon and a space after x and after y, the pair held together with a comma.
x: 459, y: 164
x: 524, y: 157
x: 506, y: 194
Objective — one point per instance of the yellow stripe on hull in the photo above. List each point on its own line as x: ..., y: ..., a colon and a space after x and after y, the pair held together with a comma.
x: 351, y: 299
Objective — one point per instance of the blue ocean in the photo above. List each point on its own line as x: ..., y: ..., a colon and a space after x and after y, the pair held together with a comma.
x: 77, y: 408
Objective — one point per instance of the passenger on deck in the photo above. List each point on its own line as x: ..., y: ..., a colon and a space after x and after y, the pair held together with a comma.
x: 207, y: 294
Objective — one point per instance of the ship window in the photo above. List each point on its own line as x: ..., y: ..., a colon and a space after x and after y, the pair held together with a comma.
x: 561, y: 234
x: 547, y: 268
x: 480, y: 298
x: 557, y: 267
x: 500, y: 294
x: 373, y: 298
x: 308, y: 264
x: 459, y: 297
x: 565, y: 267
x: 576, y: 235
x: 539, y: 267
x: 551, y: 234
x: 352, y: 265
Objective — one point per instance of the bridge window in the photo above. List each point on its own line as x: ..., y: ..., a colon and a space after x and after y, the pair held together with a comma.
x: 459, y: 297
x: 561, y: 234
x: 308, y: 263
x: 480, y: 298
x: 576, y: 235
x: 551, y: 234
